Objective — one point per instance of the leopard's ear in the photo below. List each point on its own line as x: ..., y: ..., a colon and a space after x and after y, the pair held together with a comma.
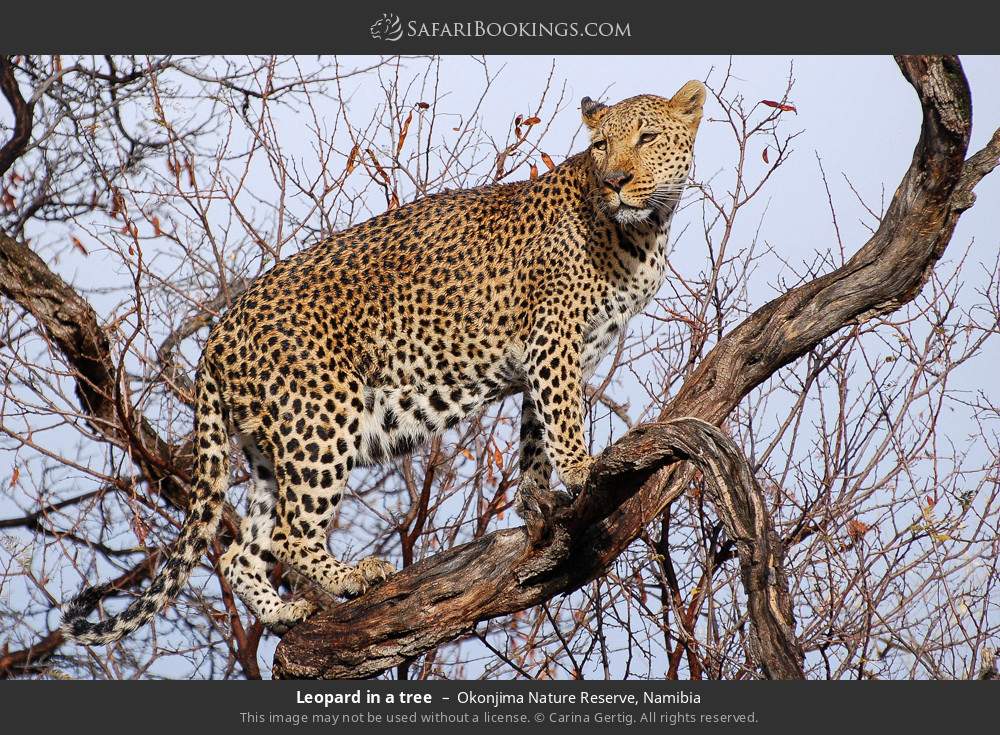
x: 592, y: 111
x: 689, y: 102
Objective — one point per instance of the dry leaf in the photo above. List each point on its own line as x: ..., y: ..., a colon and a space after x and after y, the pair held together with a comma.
x: 532, y: 121
x: 78, y: 245
x: 547, y: 161
x: 856, y: 529
x: 779, y: 105
x: 534, y: 171
x: 764, y: 155
x: 139, y: 528
x: 403, y: 131
x: 352, y: 160
x: 14, y: 476
x: 501, y: 158
x: 501, y: 504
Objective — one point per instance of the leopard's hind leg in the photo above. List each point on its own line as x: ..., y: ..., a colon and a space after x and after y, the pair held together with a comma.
x: 248, y: 561
x: 313, y: 458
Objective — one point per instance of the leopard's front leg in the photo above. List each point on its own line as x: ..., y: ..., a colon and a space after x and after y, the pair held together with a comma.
x: 551, y: 433
x: 555, y: 386
x: 535, y: 501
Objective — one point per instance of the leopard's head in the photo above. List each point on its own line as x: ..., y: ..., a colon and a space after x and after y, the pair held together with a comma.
x: 641, y: 150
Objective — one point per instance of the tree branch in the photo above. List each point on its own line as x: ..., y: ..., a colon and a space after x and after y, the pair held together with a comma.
x: 70, y: 323
x: 23, y: 114
x: 33, y: 658
x: 446, y: 595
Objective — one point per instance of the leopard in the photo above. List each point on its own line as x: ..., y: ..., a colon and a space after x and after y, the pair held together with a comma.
x: 359, y: 348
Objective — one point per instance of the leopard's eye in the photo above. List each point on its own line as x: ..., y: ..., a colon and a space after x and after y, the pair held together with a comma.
x: 647, y: 138
x: 599, y: 145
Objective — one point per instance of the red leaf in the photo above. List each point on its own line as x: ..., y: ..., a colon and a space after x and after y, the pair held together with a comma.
x: 402, y: 133
x: 856, y: 529
x: 779, y: 105
x: 534, y: 171
x: 14, y: 476
x: 764, y: 155
x: 78, y: 245
x: 532, y: 121
x: 423, y: 105
x: 547, y: 161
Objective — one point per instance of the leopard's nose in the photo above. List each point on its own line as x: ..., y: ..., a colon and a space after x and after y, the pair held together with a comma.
x: 615, y: 180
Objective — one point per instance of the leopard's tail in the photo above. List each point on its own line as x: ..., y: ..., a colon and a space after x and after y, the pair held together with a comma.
x: 211, y: 478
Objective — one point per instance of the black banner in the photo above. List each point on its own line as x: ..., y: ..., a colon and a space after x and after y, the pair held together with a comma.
x: 581, y: 706
x: 510, y: 27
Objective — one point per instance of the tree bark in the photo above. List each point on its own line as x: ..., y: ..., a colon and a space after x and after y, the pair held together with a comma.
x: 446, y: 595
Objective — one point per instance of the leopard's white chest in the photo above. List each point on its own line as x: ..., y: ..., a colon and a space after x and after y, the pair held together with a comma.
x: 639, y: 271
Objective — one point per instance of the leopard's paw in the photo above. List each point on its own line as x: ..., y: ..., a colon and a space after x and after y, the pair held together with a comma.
x: 284, y: 618
x: 575, y: 476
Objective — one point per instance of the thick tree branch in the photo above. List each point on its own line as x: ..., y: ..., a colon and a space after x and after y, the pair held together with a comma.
x: 23, y: 114
x: 446, y: 595
x: 70, y: 323
x: 503, y: 573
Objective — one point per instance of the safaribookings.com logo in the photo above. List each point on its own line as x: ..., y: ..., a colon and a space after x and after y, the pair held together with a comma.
x: 387, y: 28
x: 390, y: 28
